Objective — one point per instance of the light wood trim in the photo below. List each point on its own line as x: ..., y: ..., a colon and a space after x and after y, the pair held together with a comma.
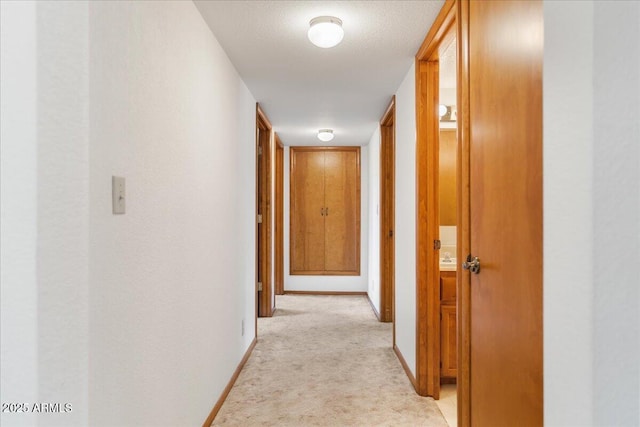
x: 359, y: 293
x: 439, y: 28
x: 427, y: 202
x: 387, y: 213
x: 262, y: 117
x: 279, y: 223
x: 264, y: 135
x: 463, y: 219
x: 227, y: 389
x: 373, y: 307
x: 427, y: 226
x: 389, y: 116
x: 403, y: 362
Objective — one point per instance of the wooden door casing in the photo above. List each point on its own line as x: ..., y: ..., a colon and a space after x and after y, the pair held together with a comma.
x: 438, y: 39
x: 325, y: 211
x: 505, y: 46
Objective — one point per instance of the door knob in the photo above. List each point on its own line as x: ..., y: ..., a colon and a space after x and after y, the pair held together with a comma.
x: 472, y: 264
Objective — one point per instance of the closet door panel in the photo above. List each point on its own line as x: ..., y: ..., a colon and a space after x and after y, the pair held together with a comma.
x: 307, y: 218
x: 342, y: 221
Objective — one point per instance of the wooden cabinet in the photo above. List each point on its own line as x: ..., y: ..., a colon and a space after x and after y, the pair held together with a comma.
x: 448, y: 330
x: 325, y: 211
x: 447, y: 176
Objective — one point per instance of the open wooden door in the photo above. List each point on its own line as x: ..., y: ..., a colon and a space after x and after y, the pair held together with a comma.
x: 387, y: 212
x: 264, y: 286
x: 503, y: 164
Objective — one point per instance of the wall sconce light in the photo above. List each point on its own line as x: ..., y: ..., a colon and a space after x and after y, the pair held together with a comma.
x: 448, y: 113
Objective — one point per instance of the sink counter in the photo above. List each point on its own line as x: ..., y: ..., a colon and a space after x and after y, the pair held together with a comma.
x: 448, y: 266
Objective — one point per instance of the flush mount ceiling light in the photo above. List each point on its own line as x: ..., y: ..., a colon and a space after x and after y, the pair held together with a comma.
x: 325, y: 135
x: 325, y: 31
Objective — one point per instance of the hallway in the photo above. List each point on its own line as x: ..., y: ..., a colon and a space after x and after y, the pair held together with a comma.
x: 325, y: 360
x: 137, y: 197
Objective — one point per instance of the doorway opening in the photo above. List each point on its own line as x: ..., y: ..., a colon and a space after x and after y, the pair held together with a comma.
x: 499, y: 162
x: 437, y: 219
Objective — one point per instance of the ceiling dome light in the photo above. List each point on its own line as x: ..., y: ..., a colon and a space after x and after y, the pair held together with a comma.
x: 325, y: 135
x: 325, y: 31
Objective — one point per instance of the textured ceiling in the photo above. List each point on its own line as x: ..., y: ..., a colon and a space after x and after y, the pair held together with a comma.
x: 303, y: 88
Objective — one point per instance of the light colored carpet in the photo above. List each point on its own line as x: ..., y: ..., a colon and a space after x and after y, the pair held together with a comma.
x: 325, y: 361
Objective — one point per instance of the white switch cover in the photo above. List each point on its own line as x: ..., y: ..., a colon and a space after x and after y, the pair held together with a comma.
x: 118, y: 188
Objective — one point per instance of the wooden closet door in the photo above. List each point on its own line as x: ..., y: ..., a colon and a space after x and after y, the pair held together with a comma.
x: 342, y: 219
x: 307, y: 207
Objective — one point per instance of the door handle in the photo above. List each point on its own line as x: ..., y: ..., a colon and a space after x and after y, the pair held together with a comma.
x: 472, y: 264
x: 321, y: 211
x: 326, y: 211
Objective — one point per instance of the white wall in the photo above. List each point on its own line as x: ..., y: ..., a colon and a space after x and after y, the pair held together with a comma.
x: 19, y: 215
x: 63, y: 208
x: 617, y: 179
x: 169, y: 113
x: 592, y: 206
x: 405, y: 242
x: 331, y: 283
x: 45, y: 171
x: 374, y: 219
x: 134, y: 319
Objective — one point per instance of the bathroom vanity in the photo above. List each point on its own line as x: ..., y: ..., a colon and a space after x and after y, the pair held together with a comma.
x: 448, y: 334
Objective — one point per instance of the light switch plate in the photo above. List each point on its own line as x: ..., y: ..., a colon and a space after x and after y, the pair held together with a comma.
x: 118, y: 191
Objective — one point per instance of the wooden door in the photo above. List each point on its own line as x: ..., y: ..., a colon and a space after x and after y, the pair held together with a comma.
x: 325, y: 210
x: 342, y: 211
x: 307, y: 211
x: 505, y: 44
x: 278, y: 276
x: 387, y: 213
x: 264, y: 289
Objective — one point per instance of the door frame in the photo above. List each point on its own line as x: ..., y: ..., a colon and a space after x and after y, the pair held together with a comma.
x: 387, y: 214
x: 264, y: 298
x: 279, y: 220
x: 446, y: 26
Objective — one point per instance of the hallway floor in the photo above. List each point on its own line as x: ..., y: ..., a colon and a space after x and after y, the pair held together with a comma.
x: 325, y: 361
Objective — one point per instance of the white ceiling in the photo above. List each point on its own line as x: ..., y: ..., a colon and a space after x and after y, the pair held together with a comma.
x: 303, y: 88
